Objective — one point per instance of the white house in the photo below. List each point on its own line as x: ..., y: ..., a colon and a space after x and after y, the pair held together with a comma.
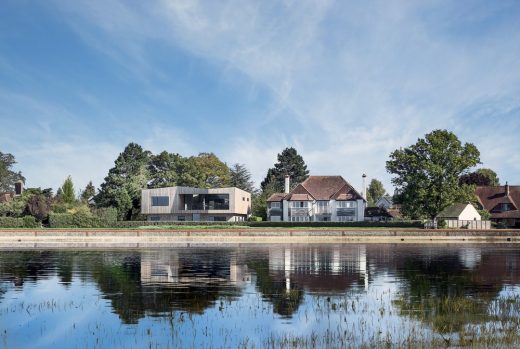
x: 317, y: 199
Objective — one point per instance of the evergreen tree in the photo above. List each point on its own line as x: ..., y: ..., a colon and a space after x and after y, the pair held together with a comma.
x: 241, y: 178
x: 7, y: 176
x: 374, y: 192
x: 427, y: 173
x: 68, y: 194
x: 164, y: 170
x: 289, y: 163
x: 89, y: 192
x: 122, y: 186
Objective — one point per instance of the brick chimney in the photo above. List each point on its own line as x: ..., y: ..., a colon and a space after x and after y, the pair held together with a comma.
x: 18, y: 188
x: 507, y: 189
x: 287, y: 184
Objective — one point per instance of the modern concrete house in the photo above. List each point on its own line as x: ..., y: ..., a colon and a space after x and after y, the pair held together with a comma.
x: 195, y: 204
x: 317, y: 199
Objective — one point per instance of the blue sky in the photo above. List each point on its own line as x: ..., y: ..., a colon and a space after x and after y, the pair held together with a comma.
x: 344, y: 82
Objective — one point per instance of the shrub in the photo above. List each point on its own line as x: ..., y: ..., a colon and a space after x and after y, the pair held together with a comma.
x: 11, y: 222
x: 30, y: 222
x: 441, y: 223
x: 255, y: 219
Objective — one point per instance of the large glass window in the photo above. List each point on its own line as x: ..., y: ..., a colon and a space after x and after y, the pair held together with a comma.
x: 275, y: 205
x: 160, y: 201
x: 206, y: 202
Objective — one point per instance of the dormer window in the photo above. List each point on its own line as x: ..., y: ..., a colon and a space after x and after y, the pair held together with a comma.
x: 503, y: 207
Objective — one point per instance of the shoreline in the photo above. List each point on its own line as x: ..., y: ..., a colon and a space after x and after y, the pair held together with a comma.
x: 102, y: 237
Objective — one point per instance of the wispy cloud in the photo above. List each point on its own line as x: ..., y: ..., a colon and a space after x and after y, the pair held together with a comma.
x: 347, y: 82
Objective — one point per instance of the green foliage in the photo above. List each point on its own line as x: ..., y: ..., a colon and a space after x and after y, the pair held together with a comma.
x: 441, y: 223
x: 485, y: 215
x: 204, y: 171
x: 241, y: 178
x: 255, y: 219
x: 289, y: 163
x: 427, y: 173
x: 7, y: 176
x: 481, y: 177
x: 374, y: 192
x: 24, y: 222
x: 83, y: 217
x: 11, y: 222
x: 164, y: 170
x: 30, y: 222
x: 122, y: 187
x: 89, y: 192
x: 259, y: 200
x: 68, y: 193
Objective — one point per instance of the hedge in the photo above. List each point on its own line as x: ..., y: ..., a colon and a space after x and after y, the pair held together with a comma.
x: 24, y: 222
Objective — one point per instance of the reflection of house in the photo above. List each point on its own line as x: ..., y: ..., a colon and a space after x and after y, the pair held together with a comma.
x: 317, y: 199
x: 319, y: 269
x: 169, y: 269
x: 195, y: 204
x: 503, y: 202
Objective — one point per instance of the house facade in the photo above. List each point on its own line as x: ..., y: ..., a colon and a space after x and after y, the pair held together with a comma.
x: 195, y: 204
x: 317, y: 199
x: 503, y: 202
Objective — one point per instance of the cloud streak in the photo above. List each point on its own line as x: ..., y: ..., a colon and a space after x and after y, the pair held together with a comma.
x: 346, y: 82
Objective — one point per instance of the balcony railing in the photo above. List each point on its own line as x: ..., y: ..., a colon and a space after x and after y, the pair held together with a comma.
x: 346, y: 212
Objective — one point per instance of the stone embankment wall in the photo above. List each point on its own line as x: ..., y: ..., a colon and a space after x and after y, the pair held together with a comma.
x: 100, y: 237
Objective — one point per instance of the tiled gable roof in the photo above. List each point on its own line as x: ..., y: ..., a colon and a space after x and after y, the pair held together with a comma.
x: 276, y: 197
x: 492, y: 196
x: 330, y: 187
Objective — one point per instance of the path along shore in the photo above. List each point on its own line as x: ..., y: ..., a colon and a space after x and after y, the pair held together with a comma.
x: 100, y: 237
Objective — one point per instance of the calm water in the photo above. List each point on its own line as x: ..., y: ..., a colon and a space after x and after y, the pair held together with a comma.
x: 261, y: 296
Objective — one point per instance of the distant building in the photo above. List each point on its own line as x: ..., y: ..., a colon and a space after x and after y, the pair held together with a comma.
x: 503, y: 202
x: 6, y: 197
x: 385, y: 201
x: 317, y: 199
x: 195, y: 204
x: 382, y: 214
x: 460, y: 212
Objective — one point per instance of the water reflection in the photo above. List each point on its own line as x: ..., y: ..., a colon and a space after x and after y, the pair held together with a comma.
x: 444, y: 288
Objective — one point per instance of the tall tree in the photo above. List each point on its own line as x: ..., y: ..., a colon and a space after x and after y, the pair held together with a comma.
x: 427, y: 173
x: 289, y: 163
x: 241, y: 178
x: 205, y: 171
x: 89, y: 192
x: 481, y: 177
x: 68, y: 194
x: 122, y: 186
x: 8, y: 177
x: 375, y: 191
x: 164, y: 170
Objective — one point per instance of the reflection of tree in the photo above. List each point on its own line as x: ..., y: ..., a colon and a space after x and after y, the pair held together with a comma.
x: 442, y: 293
x: 20, y: 266
x: 285, y: 302
x: 120, y: 282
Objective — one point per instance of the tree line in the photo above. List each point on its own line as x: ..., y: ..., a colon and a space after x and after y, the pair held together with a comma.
x: 427, y: 176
